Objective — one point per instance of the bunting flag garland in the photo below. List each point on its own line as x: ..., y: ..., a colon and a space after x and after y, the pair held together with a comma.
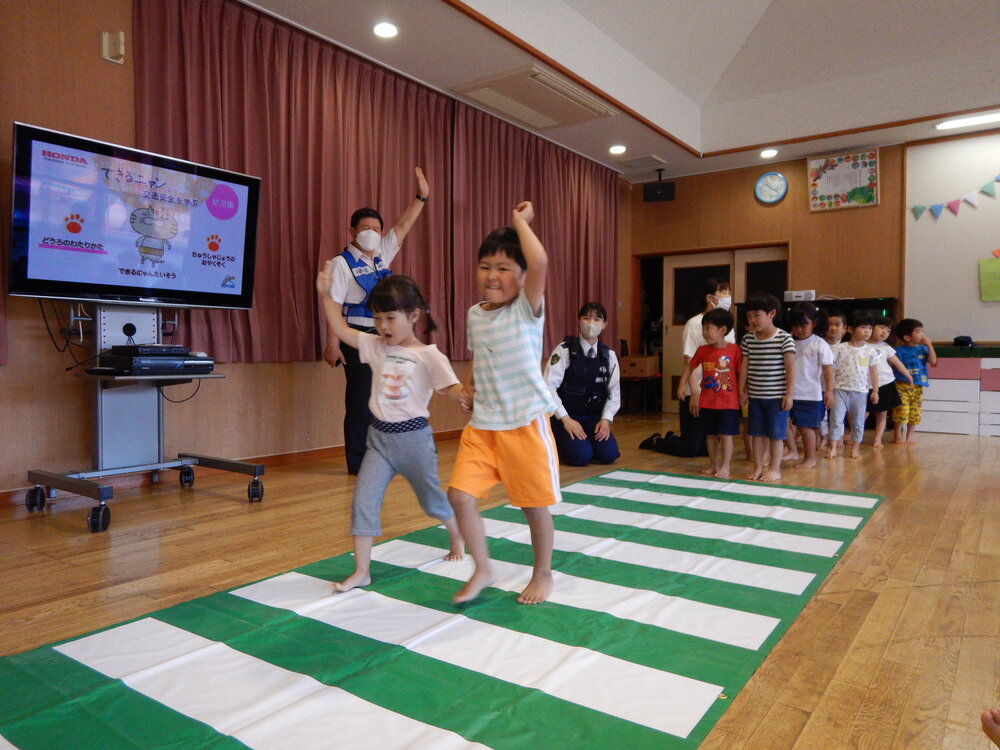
x: 670, y: 591
x: 953, y: 205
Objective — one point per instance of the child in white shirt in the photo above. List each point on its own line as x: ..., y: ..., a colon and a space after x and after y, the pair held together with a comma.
x: 854, y: 376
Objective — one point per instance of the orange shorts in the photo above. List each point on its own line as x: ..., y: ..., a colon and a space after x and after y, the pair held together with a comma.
x: 524, y: 459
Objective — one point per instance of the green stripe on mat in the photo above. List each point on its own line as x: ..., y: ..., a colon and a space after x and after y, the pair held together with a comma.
x: 417, y: 686
x: 714, y: 516
x: 706, y: 590
x: 49, y: 701
x: 681, y: 542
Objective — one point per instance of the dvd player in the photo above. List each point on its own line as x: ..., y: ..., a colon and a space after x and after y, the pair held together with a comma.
x: 157, y: 365
x: 149, y: 350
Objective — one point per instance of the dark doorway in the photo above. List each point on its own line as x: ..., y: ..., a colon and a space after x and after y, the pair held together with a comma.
x: 651, y: 330
x: 689, y: 289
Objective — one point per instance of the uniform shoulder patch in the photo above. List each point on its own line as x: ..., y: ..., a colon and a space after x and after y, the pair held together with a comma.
x: 555, y: 358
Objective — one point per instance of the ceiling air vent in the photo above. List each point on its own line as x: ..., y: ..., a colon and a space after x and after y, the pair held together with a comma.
x: 645, y: 162
x: 537, y: 98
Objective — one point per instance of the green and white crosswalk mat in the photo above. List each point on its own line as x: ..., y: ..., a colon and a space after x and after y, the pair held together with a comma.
x: 670, y: 591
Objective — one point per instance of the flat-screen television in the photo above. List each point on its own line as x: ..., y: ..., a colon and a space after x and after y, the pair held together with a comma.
x: 94, y: 221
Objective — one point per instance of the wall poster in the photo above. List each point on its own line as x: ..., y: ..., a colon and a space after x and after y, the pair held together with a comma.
x: 843, y: 180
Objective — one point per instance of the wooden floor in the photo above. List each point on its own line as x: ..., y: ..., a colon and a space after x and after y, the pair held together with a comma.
x: 899, y: 648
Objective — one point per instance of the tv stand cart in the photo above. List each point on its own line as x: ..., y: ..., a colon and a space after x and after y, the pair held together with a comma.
x: 129, y: 425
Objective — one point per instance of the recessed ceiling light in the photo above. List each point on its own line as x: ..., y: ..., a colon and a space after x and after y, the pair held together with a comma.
x: 385, y: 30
x: 768, y: 153
x: 617, y: 149
x: 963, y: 122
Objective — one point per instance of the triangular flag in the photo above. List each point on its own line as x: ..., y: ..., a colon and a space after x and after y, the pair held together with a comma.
x: 997, y: 178
x: 989, y: 188
x: 953, y: 205
x: 918, y: 211
x: 936, y: 209
x: 972, y: 199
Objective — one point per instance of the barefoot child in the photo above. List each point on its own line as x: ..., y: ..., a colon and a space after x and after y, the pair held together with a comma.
x: 836, y: 326
x: 405, y: 373
x: 509, y: 438
x: 916, y: 352
x: 888, y: 396
x: 813, y: 393
x: 854, y: 377
x: 767, y: 381
x: 718, y: 405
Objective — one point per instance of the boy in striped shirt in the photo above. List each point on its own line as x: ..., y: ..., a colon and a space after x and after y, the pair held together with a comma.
x: 509, y: 438
x: 767, y: 379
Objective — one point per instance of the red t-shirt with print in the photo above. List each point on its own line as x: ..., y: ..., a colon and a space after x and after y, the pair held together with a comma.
x: 720, y: 368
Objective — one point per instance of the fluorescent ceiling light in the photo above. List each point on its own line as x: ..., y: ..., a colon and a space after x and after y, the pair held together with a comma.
x: 617, y: 149
x: 964, y: 122
x: 768, y: 153
x: 385, y: 30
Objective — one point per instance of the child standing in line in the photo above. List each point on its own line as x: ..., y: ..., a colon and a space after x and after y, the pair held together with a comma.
x: 509, y: 438
x: 888, y: 396
x: 836, y: 326
x: 916, y: 353
x: 718, y: 406
x: 767, y: 381
x: 405, y: 373
x: 813, y: 393
x: 854, y: 377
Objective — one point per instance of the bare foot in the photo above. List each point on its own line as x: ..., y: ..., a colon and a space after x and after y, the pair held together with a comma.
x: 454, y: 554
x: 991, y: 724
x: 480, y: 580
x: 833, y: 451
x: 789, y: 456
x: 771, y: 476
x: 877, y: 445
x: 899, y: 441
x: 855, y: 450
x: 755, y: 474
x: 722, y: 474
x: 537, y: 590
x: 805, y: 464
x: 353, y: 581
x: 709, y: 471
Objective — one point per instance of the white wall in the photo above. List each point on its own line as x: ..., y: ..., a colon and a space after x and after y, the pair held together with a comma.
x: 942, y: 255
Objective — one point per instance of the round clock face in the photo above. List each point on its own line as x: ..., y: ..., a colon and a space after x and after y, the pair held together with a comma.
x: 771, y: 187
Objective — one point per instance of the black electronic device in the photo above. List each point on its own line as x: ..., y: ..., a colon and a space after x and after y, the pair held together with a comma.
x: 149, y: 350
x: 100, y: 222
x: 155, y: 365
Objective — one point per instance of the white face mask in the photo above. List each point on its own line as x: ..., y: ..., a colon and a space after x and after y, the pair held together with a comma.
x: 591, y: 330
x: 368, y: 240
x: 723, y: 303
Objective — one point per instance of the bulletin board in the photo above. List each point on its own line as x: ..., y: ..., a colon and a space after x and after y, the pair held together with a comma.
x: 843, y: 180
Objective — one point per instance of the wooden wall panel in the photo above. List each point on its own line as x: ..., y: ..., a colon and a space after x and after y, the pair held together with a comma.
x: 849, y: 253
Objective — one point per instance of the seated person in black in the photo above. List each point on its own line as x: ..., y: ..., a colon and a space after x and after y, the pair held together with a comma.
x: 584, y: 378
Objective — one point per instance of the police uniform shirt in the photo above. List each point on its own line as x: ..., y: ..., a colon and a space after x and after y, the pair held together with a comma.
x: 344, y: 289
x: 555, y: 371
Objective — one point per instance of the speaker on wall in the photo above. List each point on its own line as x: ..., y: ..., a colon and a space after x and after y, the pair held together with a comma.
x: 653, y: 192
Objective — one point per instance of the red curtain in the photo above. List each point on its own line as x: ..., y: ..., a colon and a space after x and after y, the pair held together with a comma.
x: 220, y: 83
x: 498, y: 165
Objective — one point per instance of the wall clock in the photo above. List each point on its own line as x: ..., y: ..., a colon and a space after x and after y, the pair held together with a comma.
x: 770, y: 187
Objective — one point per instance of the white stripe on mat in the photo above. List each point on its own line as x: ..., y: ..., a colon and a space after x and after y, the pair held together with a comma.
x: 5, y: 744
x: 664, y: 701
x: 258, y: 703
x: 721, y: 624
x: 776, y: 540
x: 737, y: 488
x: 662, y: 558
x: 734, y: 507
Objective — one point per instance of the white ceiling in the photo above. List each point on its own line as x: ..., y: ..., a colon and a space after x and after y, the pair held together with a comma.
x: 708, y: 75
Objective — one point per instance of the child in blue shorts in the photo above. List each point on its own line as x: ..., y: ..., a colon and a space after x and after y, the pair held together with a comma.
x: 718, y: 406
x: 767, y: 381
x: 813, y: 393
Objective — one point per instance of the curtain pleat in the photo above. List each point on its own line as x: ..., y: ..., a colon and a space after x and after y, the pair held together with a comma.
x: 222, y: 84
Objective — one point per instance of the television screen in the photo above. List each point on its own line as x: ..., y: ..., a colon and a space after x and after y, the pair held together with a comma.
x: 93, y: 221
